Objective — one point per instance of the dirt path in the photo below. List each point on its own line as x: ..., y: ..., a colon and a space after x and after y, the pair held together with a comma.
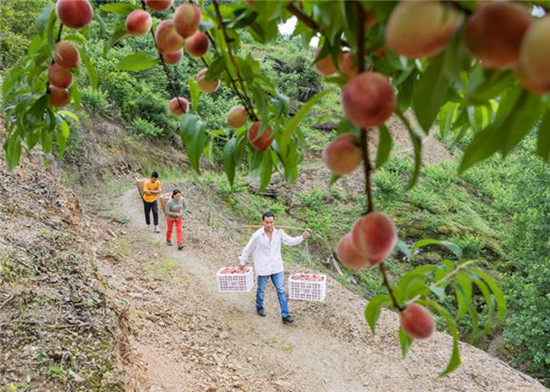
x: 189, y: 337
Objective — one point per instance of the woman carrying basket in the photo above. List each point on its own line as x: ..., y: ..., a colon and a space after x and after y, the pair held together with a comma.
x: 174, y: 212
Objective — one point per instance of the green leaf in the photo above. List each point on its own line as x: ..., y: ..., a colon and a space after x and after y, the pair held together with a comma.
x: 63, y: 132
x: 404, y: 248
x: 447, y: 117
x: 215, y: 68
x: 49, y: 31
x: 187, y: 126
x: 267, y: 168
x: 516, y: 117
x: 491, y: 85
x: 12, y: 146
x: 454, y: 361
x: 406, y: 342
x: 74, y: 92
x: 243, y: 20
x: 32, y: 137
x: 497, y: 292
x: 543, y: 143
x: 195, y: 95
x: 439, y: 292
x: 228, y: 160
x: 119, y: 33
x: 196, y: 145
x: 430, y: 93
x: 334, y: 178
x: 490, y: 305
x: 374, y: 308
x: 119, y: 8
x: 43, y: 19
x: 75, y: 37
x: 463, y: 290
x: 47, y: 140
x: 137, y: 62
x: 417, y: 148
x: 303, y: 112
x: 66, y: 113
x: 384, y: 146
x: 449, y: 245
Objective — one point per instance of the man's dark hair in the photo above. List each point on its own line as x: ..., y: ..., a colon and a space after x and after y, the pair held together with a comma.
x: 268, y: 214
x: 155, y: 175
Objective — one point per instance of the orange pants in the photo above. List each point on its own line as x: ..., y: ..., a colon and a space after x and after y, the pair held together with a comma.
x: 170, y: 224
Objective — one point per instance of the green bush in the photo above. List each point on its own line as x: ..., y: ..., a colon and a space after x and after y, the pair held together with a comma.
x: 142, y: 127
x: 95, y: 100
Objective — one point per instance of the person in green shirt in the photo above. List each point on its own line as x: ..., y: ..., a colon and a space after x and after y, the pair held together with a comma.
x: 174, y: 212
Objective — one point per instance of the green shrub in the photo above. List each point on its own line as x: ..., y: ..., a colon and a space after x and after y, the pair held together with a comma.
x: 145, y: 128
x: 95, y: 100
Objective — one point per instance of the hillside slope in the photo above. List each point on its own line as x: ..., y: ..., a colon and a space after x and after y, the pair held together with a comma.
x: 204, y: 339
x: 109, y: 307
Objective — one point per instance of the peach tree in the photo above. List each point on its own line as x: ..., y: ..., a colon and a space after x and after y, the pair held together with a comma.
x: 460, y: 66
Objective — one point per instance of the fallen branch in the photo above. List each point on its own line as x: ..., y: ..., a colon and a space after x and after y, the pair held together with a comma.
x: 7, y: 301
x: 336, y: 265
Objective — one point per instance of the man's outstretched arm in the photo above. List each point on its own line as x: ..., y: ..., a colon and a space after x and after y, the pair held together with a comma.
x: 291, y: 241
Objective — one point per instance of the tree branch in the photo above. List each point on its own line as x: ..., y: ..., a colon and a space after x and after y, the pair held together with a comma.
x: 171, y: 85
x: 246, y: 98
x: 386, y: 284
x: 308, y: 21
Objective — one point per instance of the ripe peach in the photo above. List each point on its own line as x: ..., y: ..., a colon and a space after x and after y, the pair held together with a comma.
x: 374, y: 236
x: 207, y: 86
x: 534, y: 59
x: 236, y: 117
x: 187, y: 19
x: 343, y: 154
x: 159, y: 5
x: 66, y: 55
x: 529, y: 84
x: 421, y: 28
x: 348, y: 65
x: 167, y: 38
x: 368, y: 99
x: 138, y: 22
x: 261, y: 142
x: 348, y: 255
x: 173, y: 57
x: 494, y: 33
x: 417, y: 321
x: 74, y: 13
x: 197, y: 44
x: 179, y: 108
x: 326, y: 65
x: 60, y: 77
x: 59, y: 96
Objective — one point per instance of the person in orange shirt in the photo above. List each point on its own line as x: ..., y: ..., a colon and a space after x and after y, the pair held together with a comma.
x: 151, y: 190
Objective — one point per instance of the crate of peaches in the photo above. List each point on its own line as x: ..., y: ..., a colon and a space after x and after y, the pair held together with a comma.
x: 235, y: 279
x: 307, y: 287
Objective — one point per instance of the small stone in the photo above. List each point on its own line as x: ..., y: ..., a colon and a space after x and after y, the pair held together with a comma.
x: 223, y: 335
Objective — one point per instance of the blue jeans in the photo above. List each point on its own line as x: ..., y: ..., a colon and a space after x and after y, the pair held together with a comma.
x: 279, y: 283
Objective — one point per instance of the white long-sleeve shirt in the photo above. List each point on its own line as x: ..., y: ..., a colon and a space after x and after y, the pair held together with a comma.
x: 265, y: 253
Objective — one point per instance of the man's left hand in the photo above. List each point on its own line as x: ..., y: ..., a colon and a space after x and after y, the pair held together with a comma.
x: 305, y: 234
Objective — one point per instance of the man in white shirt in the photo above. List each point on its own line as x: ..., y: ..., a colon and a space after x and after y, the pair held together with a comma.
x: 265, y: 248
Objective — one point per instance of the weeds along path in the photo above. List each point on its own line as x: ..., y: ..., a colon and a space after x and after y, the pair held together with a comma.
x: 188, y: 337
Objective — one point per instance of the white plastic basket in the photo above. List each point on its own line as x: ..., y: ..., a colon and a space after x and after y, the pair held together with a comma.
x: 307, y: 287
x: 235, y: 279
